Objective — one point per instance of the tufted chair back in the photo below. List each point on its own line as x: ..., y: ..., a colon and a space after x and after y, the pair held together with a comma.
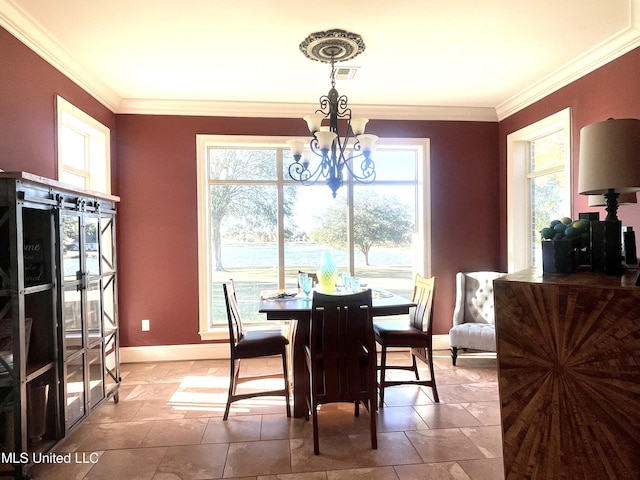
x: 473, y: 316
x: 477, y: 304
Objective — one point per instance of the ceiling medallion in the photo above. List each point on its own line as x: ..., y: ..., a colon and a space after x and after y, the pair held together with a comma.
x: 332, y: 46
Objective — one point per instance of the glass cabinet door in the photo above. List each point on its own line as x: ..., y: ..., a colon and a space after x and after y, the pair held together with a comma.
x: 75, y: 389
x: 94, y: 312
x: 72, y: 319
x: 91, y: 244
x: 70, y: 239
x: 96, y: 371
x: 89, y: 309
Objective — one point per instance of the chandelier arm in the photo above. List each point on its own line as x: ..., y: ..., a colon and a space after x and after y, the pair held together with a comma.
x: 325, y: 160
x: 367, y: 166
x: 324, y: 105
x: 300, y: 173
x: 342, y: 107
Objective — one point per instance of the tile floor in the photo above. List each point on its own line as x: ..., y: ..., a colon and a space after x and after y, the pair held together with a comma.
x: 168, y: 426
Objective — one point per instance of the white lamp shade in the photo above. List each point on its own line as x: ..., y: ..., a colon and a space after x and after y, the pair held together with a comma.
x: 296, y: 145
x: 314, y: 121
x: 325, y: 139
x: 367, y: 142
x: 610, y: 157
x: 358, y: 125
x: 623, y: 199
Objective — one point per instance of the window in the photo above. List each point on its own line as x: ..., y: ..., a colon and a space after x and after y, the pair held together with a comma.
x: 84, y: 158
x: 538, y: 185
x: 260, y: 228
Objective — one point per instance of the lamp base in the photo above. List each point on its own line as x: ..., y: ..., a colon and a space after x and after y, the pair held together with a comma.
x: 606, y: 247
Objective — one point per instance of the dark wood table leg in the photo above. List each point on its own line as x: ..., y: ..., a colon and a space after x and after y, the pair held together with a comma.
x: 300, y: 374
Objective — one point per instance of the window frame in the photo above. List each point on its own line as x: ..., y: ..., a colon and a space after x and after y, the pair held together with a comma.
x: 518, y: 189
x: 423, y: 214
x: 97, y: 160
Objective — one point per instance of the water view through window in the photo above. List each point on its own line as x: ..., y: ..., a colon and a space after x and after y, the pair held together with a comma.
x: 263, y: 227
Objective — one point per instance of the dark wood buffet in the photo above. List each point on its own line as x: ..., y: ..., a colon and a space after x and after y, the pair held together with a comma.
x: 569, y: 375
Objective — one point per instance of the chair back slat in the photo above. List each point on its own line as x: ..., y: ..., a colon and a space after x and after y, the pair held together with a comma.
x: 422, y: 314
x: 342, y: 344
x: 233, y: 313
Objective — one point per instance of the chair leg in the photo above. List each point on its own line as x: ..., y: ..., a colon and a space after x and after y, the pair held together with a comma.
x: 373, y: 411
x: 285, y: 374
x: 433, y: 376
x: 383, y: 364
x: 233, y: 376
x: 415, y: 366
x: 372, y: 420
x: 454, y: 355
x: 316, y: 441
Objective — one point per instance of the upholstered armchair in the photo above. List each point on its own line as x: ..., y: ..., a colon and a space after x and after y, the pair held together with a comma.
x: 473, y: 316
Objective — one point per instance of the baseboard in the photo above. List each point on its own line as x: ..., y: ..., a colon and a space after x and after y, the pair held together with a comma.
x: 441, y: 342
x: 206, y: 351
x: 164, y: 353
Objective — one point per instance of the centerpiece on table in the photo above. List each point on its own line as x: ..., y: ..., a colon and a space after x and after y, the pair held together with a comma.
x: 565, y: 245
x: 327, y: 273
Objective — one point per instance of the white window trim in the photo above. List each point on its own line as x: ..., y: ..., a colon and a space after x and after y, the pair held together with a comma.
x: 518, y: 215
x: 98, y: 170
x: 423, y: 261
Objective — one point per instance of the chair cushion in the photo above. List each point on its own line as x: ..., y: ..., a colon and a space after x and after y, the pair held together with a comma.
x: 260, y: 343
x: 400, y: 335
x: 476, y: 336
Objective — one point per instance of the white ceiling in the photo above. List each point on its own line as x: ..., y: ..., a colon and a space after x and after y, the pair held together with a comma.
x: 458, y: 59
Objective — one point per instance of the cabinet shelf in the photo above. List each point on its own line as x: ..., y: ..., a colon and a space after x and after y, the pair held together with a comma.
x: 39, y: 288
x: 35, y: 371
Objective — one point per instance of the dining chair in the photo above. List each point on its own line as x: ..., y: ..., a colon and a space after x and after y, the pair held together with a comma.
x: 416, y: 335
x: 341, y: 356
x: 314, y: 277
x: 252, y: 344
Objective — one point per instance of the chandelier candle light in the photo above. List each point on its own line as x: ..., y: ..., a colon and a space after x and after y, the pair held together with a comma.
x: 330, y: 47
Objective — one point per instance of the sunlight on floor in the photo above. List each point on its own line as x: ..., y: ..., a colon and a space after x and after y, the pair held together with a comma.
x: 197, y: 393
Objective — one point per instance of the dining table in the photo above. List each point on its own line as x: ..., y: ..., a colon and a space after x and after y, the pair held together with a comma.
x: 278, y: 305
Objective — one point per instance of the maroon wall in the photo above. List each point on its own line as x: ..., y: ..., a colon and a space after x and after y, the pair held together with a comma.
x: 609, y: 92
x: 28, y: 87
x: 158, y: 219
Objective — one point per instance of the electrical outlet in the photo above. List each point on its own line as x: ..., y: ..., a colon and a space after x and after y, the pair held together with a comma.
x: 145, y: 325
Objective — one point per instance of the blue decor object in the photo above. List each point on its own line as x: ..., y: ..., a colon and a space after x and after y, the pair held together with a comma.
x: 327, y: 273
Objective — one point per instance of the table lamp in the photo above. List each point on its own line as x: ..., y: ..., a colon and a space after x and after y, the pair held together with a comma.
x: 609, y: 166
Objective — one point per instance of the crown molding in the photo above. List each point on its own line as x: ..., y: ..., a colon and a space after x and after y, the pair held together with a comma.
x: 603, y: 53
x: 17, y: 22
x: 298, y: 110
x: 22, y: 26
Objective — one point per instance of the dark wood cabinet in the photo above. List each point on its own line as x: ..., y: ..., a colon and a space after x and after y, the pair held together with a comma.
x: 569, y: 375
x: 58, y: 313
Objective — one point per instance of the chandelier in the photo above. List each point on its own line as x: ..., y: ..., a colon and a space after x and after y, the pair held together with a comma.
x: 353, y: 150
